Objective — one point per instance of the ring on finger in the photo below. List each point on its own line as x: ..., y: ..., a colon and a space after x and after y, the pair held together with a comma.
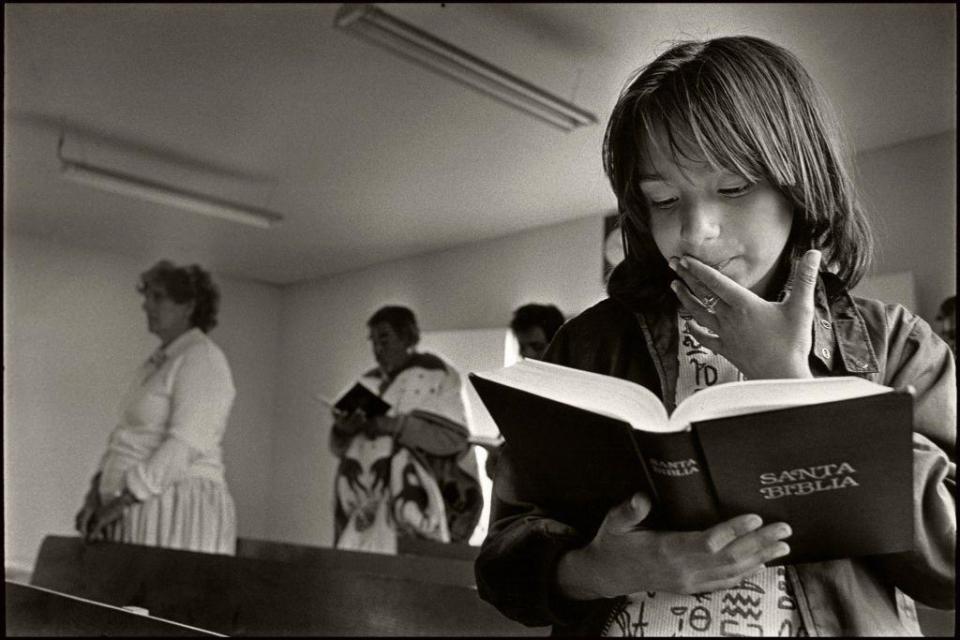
x: 709, y: 302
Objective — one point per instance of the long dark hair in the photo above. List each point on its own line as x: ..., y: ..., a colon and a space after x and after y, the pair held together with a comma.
x: 749, y: 107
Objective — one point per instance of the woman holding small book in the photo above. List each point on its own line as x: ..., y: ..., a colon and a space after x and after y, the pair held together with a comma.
x: 743, y: 236
x: 409, y: 472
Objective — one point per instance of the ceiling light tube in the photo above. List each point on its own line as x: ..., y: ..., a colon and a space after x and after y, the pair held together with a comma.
x: 127, y: 185
x: 380, y: 28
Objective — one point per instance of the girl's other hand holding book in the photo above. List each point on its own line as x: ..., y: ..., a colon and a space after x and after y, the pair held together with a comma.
x: 624, y: 558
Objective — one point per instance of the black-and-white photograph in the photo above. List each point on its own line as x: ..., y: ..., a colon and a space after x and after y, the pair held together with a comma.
x: 480, y: 319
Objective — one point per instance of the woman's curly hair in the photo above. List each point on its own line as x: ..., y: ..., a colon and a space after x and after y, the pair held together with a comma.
x: 186, y: 284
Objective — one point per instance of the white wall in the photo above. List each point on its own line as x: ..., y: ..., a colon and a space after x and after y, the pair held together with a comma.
x: 73, y: 331
x: 469, y: 350
x: 325, y: 338
x: 911, y: 191
x: 898, y: 287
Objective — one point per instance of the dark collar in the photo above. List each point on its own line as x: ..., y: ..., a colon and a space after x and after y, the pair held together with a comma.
x: 839, y: 330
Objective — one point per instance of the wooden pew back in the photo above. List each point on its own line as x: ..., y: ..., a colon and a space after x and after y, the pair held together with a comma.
x: 453, y: 569
x: 407, y: 545
x: 192, y: 588
x: 32, y: 611
x: 251, y: 596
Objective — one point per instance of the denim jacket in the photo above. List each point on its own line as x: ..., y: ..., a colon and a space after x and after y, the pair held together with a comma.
x: 855, y: 596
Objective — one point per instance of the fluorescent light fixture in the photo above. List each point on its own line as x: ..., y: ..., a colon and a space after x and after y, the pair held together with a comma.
x: 128, y: 185
x: 380, y: 28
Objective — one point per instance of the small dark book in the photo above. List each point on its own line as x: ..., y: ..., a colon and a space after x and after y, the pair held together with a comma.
x: 359, y: 397
x: 832, y: 457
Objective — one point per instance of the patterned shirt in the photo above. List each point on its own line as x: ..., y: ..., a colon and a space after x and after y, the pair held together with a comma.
x: 427, y: 396
x: 761, y: 605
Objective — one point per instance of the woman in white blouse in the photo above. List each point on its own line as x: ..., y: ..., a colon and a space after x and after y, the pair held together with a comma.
x: 161, y: 481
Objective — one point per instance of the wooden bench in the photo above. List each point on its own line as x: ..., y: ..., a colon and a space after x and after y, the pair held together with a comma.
x: 32, y: 611
x: 936, y: 622
x: 324, y: 592
x: 321, y: 592
x: 456, y: 568
x: 407, y: 546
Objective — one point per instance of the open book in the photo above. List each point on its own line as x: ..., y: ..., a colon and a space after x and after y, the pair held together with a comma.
x: 486, y: 442
x: 358, y: 397
x: 830, y: 456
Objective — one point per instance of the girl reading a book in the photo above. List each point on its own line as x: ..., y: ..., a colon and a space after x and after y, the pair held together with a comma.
x: 743, y: 235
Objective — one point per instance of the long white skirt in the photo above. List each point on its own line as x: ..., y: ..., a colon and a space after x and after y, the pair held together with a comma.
x: 195, y: 514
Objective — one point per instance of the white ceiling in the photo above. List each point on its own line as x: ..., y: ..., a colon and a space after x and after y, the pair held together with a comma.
x: 368, y: 157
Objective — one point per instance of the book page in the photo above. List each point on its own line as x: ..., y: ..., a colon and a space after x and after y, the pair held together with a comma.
x: 753, y: 396
x: 487, y: 442
x: 324, y: 400
x: 601, y: 394
x: 329, y: 402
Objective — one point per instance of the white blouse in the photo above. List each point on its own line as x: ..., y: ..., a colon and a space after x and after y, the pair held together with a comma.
x: 172, y: 420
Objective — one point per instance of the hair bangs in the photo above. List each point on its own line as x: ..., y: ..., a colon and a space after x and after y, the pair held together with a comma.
x: 688, y: 123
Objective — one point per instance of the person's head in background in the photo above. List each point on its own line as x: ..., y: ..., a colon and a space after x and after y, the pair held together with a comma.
x: 756, y: 171
x: 534, y: 325
x: 177, y: 299
x: 393, y: 335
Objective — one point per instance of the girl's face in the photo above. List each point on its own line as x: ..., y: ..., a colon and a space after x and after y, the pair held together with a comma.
x: 718, y: 217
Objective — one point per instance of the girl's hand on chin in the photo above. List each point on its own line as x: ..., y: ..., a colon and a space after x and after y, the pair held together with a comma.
x: 762, y: 339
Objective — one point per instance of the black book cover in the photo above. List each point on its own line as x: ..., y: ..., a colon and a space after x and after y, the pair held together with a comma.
x: 573, y: 462
x: 360, y: 397
x: 839, y: 473
x: 684, y: 497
